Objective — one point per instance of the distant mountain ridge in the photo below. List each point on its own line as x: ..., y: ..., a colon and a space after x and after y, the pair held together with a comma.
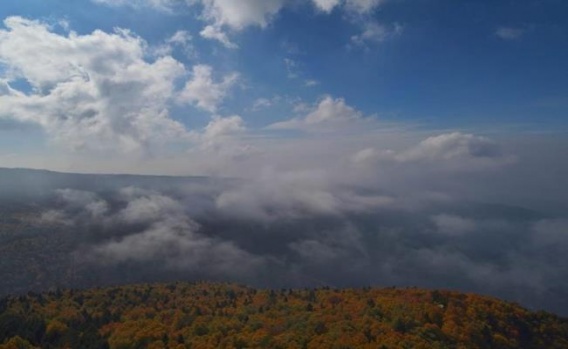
x: 23, y: 184
x: 206, y: 315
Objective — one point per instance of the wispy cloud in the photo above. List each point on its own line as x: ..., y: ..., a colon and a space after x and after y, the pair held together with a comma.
x: 509, y: 33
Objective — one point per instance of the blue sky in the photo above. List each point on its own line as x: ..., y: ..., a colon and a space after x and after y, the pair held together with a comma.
x: 446, y: 67
x: 438, y: 65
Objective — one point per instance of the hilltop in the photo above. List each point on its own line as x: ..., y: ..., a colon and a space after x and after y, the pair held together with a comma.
x: 206, y: 315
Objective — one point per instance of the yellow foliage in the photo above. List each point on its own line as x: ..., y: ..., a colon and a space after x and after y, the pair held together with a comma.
x: 211, y: 316
x: 17, y: 343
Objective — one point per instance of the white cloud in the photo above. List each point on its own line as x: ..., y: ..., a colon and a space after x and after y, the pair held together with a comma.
x: 235, y: 16
x: 158, y: 228
x: 213, y: 32
x: 311, y: 83
x: 332, y: 110
x: 79, y: 199
x: 222, y: 144
x: 364, y: 155
x: 261, y: 103
x: 239, y: 14
x: 435, y: 156
x: 509, y: 33
x: 181, y: 39
x: 163, y: 5
x: 264, y: 103
x: 275, y: 195
x: 453, y: 151
x: 219, y: 14
x: 375, y: 33
x: 363, y: 6
x: 94, y: 91
x: 329, y: 113
x: 292, y: 67
x: 453, y: 145
x: 147, y: 207
x: 326, y: 5
x: 180, y: 246
x: 358, y: 6
x: 220, y: 127
x: 294, y: 71
x: 203, y: 92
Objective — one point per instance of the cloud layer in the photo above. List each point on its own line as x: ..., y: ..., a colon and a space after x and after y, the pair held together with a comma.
x: 301, y: 229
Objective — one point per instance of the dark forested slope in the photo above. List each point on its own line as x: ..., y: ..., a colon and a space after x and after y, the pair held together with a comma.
x: 205, y: 315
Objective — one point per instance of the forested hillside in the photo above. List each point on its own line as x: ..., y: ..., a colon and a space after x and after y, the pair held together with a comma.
x: 205, y: 315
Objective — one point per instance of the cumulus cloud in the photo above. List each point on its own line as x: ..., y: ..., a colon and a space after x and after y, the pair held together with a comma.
x: 88, y: 91
x: 326, y: 5
x: 328, y: 113
x: 173, y: 238
x: 238, y: 15
x: 181, y: 40
x: 182, y: 248
x: 202, y: 90
x: 220, y: 127
x: 147, y: 226
x: 147, y: 207
x: 222, y: 144
x: 219, y: 132
x: 213, y: 32
x: 181, y: 37
x: 74, y: 206
x: 452, y: 145
x: 439, y: 161
x: 273, y: 196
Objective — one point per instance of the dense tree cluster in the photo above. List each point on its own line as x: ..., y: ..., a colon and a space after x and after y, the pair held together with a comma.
x: 205, y: 315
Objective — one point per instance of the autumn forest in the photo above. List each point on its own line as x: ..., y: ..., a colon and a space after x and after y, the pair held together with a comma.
x: 208, y: 315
